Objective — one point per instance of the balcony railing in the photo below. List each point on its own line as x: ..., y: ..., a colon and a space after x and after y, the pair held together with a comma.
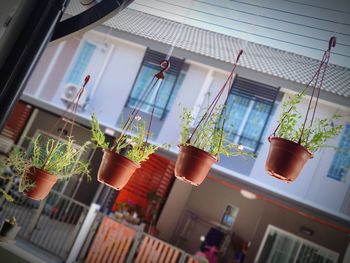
x: 112, y: 241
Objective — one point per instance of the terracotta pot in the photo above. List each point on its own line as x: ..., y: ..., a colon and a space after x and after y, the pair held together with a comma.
x: 193, y: 164
x: 43, y: 183
x: 286, y: 159
x: 115, y: 170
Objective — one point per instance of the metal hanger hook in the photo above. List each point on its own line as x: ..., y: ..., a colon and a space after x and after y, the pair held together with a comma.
x: 165, y: 64
x: 332, y: 42
x: 239, y: 55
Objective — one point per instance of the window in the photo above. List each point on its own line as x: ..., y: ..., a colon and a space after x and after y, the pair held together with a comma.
x: 279, y: 246
x: 91, y: 58
x: 173, y: 79
x: 229, y: 216
x: 341, y: 160
x: 78, y: 71
x: 345, y: 208
x: 248, y: 111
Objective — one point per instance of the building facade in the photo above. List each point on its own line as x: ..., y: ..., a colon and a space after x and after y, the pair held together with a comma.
x: 121, y: 64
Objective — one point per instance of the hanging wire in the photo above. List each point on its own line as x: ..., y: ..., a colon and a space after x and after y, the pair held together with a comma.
x: 157, y: 79
x: 212, y: 106
x: 214, y: 102
x: 178, y: 34
x: 323, y: 68
x: 155, y: 83
x: 316, y: 77
x: 71, y: 109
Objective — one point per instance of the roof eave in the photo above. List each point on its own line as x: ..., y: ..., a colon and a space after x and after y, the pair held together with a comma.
x: 242, y: 71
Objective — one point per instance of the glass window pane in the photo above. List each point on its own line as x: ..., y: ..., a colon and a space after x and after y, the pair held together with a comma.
x: 81, y: 63
x: 255, y: 124
x: 341, y: 160
x: 166, y: 94
x: 237, y: 106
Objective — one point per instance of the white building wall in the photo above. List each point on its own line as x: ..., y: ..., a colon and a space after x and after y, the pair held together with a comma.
x: 188, y: 93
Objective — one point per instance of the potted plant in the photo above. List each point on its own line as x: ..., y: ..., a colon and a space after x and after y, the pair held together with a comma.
x: 197, y: 156
x: 50, y: 160
x: 154, y: 202
x: 200, y: 148
x: 294, y: 141
x: 291, y: 146
x: 9, y: 230
x: 121, y: 159
x: 40, y: 168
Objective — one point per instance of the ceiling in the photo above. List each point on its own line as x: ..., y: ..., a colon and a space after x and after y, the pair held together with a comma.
x: 299, y: 26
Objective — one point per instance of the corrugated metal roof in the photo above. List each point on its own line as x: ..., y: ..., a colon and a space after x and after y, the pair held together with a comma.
x: 222, y: 47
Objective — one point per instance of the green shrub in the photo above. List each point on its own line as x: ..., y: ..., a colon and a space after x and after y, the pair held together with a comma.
x: 59, y: 158
x: 313, y: 137
x: 209, y: 136
x: 134, y: 145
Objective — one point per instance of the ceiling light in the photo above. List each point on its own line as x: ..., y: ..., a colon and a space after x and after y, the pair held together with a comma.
x: 247, y: 194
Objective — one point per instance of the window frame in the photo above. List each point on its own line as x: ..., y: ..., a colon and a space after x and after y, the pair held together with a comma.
x: 145, y: 62
x: 253, y: 97
x: 92, y: 38
x: 344, y: 139
x: 331, y: 254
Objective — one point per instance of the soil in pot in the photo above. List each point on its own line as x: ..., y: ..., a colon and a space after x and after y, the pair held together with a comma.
x: 286, y: 159
x: 193, y: 164
x: 43, y: 183
x: 115, y: 170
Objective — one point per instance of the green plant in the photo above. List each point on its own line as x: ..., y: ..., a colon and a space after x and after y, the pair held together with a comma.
x: 6, y: 195
x: 153, y: 197
x: 59, y: 158
x: 314, y: 137
x: 209, y: 135
x: 135, y: 147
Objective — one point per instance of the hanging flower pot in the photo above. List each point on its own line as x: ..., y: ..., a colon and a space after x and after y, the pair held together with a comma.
x: 50, y: 158
x: 42, y: 183
x: 293, y: 142
x: 131, y: 147
x: 286, y: 159
x: 193, y: 164
x: 115, y: 170
x: 200, y: 148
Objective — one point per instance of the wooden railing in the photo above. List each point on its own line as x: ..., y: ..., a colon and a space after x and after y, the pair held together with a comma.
x: 115, y: 242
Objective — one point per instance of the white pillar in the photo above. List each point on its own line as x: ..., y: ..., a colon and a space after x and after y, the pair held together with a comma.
x: 347, y: 255
x: 173, y: 208
x: 84, y: 231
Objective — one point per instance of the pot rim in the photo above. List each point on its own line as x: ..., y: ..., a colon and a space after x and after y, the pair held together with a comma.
x: 122, y: 156
x: 50, y: 177
x: 291, y: 142
x: 200, y: 150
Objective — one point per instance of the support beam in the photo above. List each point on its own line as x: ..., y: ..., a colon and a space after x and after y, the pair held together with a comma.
x: 23, y: 42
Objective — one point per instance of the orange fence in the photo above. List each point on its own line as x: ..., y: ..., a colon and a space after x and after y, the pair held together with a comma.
x: 115, y: 242
x: 111, y: 243
x: 155, y: 175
